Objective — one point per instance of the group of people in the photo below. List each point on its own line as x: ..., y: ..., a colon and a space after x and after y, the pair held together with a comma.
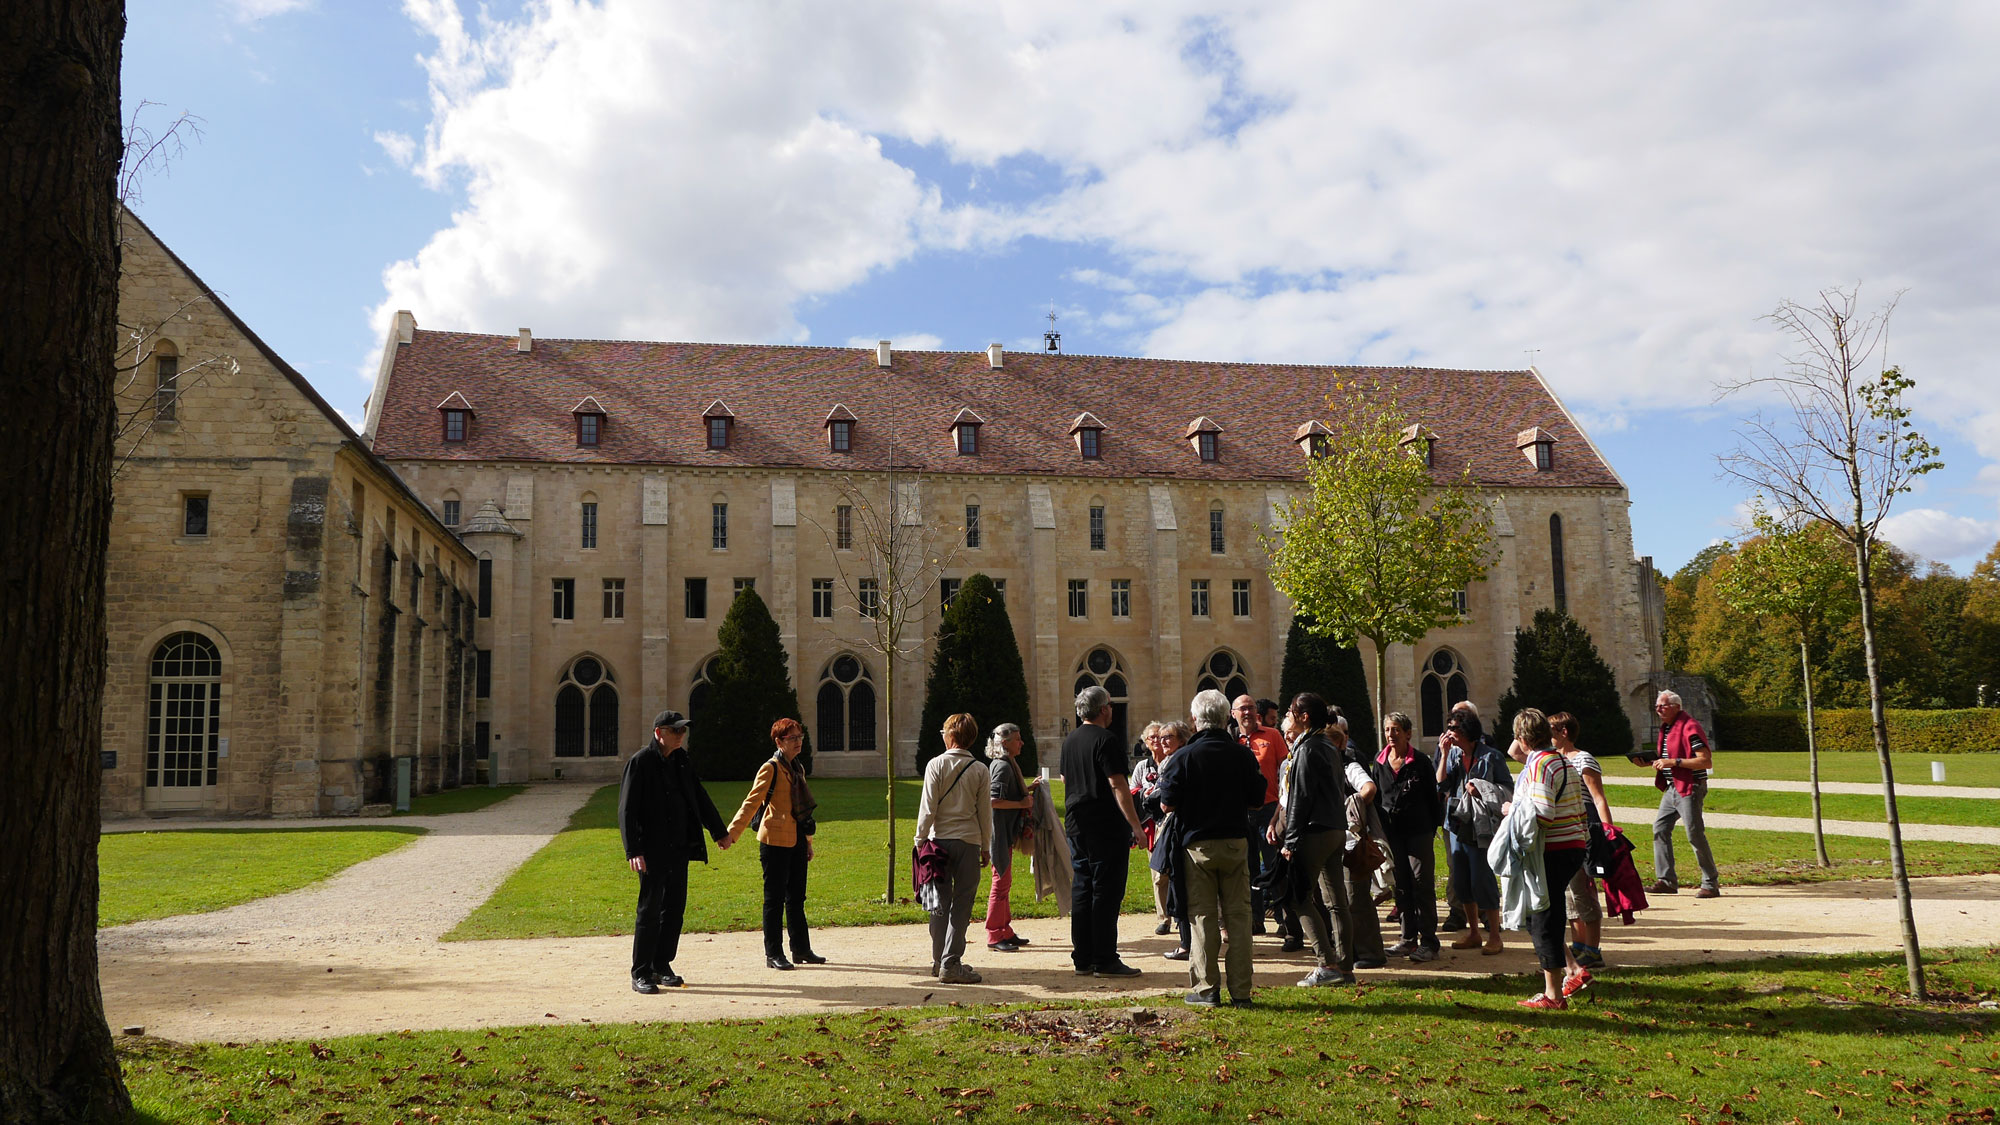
x: 1247, y: 809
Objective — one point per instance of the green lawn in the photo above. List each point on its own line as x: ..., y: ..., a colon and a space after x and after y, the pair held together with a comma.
x: 154, y: 874
x: 1911, y: 769
x: 579, y: 885
x: 1977, y: 811
x: 1799, y: 1039
x: 1748, y: 857
x: 466, y: 798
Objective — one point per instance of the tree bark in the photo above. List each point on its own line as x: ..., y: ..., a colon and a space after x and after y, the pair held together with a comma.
x: 1913, y: 960
x: 1812, y: 759
x: 1381, y: 681
x: 59, y: 155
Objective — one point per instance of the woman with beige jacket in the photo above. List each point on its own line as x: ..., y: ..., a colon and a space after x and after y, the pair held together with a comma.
x: 780, y: 807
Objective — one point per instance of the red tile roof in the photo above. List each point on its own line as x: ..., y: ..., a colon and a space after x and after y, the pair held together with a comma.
x: 653, y: 395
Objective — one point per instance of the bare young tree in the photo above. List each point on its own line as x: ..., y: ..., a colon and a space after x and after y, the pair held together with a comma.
x: 890, y: 560
x: 1839, y: 453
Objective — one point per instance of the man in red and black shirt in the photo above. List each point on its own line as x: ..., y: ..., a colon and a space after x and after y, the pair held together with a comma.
x: 1684, y: 760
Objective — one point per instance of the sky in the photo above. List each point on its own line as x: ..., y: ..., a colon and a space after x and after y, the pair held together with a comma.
x: 1619, y: 194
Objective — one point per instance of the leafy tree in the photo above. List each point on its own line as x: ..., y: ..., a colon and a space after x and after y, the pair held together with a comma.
x: 1842, y: 452
x: 1680, y: 592
x: 1318, y: 663
x: 59, y: 239
x: 731, y: 734
x: 1795, y: 572
x: 1381, y: 543
x: 1556, y: 668
x: 976, y: 669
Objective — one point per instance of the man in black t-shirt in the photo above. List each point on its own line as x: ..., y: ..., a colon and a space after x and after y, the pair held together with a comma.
x: 1103, y: 826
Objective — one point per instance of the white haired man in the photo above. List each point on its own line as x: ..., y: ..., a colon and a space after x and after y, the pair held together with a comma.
x: 1103, y: 827
x: 1681, y: 773
x: 1211, y: 785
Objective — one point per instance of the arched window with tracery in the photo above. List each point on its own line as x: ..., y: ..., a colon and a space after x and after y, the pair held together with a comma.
x: 1224, y: 672
x: 587, y: 711
x: 702, y: 688
x: 1444, y: 685
x: 846, y: 707
x: 1100, y: 667
x: 183, y: 713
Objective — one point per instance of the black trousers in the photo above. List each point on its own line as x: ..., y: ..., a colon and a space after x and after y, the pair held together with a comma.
x: 784, y: 897
x: 1549, y: 929
x: 1416, y: 884
x: 656, y: 933
x: 1100, y: 859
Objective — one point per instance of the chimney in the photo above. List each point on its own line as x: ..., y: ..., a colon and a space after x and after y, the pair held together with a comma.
x: 526, y: 343
x: 406, y: 326
x: 993, y: 356
x: 882, y: 354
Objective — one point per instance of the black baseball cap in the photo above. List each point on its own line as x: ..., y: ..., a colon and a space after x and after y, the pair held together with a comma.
x: 671, y: 719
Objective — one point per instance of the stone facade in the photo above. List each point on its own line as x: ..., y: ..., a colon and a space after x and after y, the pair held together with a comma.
x: 653, y: 530
x: 286, y: 618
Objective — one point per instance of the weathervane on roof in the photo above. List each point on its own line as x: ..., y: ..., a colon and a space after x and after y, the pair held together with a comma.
x: 1052, y: 337
x: 1531, y: 353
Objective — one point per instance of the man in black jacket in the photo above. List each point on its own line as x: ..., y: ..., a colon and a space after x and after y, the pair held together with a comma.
x: 1210, y: 785
x: 1314, y: 838
x: 662, y: 810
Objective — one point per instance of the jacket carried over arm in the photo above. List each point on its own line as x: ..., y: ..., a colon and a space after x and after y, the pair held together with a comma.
x: 1316, y: 793
x: 662, y: 807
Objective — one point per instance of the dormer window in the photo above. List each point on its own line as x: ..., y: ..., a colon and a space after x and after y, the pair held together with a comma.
x: 1538, y: 446
x: 965, y: 432
x: 1206, y: 437
x: 840, y: 429
x: 589, y: 422
x: 457, y: 415
x: 1421, y: 442
x: 719, y: 421
x: 1089, y: 435
x: 1313, y: 439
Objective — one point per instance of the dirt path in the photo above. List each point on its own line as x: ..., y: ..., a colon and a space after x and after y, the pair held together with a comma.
x: 1858, y: 788
x: 351, y: 980
x: 1642, y: 820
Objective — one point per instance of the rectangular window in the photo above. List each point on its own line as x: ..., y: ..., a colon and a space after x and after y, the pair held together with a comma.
x: 1079, y: 597
x: 454, y: 425
x: 1198, y: 597
x: 1458, y: 601
x: 947, y: 590
x: 1216, y: 544
x: 1121, y: 597
x: 718, y: 433
x: 614, y: 599
x: 451, y: 511
x: 842, y: 436
x: 822, y: 591
x: 485, y: 587
x: 968, y: 440
x: 1239, y: 597
x: 482, y: 738
x: 482, y: 679
x: 1545, y: 456
x: 718, y: 526
x: 586, y: 428
x: 1205, y: 442
x: 1096, y: 525
x: 972, y: 525
x: 194, y: 515
x: 843, y: 528
x: 166, y: 381
x: 697, y: 598
x: 590, y: 527
x: 739, y: 585
x: 868, y: 598
x: 565, y: 598
x: 1000, y: 588
x: 1087, y: 441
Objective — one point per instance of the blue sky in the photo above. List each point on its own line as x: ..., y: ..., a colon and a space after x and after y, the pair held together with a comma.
x: 1619, y: 191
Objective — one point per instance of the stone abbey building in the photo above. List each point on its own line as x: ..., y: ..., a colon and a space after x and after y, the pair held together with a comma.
x: 615, y: 494
x: 287, y: 618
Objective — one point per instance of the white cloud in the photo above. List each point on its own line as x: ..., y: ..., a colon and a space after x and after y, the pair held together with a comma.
x: 399, y: 147
x: 251, y: 11
x: 902, y: 342
x: 1935, y: 534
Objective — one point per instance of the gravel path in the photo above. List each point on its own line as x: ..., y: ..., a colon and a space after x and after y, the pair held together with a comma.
x: 1949, y: 833
x: 1860, y: 788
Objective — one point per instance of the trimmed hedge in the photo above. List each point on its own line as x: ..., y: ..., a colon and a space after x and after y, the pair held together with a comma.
x: 1971, y: 731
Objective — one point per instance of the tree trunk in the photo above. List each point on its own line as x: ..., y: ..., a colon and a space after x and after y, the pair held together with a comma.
x: 1912, y: 956
x: 1381, y: 681
x: 889, y: 768
x: 59, y: 153
x: 1812, y: 759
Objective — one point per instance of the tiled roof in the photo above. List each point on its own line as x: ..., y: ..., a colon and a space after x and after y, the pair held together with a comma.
x: 654, y: 393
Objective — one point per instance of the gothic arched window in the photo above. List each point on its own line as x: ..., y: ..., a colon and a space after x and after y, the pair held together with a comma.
x: 1100, y: 667
x: 587, y: 711
x: 1224, y: 672
x: 846, y: 706
x: 183, y: 712
x: 1444, y: 684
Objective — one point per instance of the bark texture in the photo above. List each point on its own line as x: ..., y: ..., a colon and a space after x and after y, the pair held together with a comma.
x: 59, y: 155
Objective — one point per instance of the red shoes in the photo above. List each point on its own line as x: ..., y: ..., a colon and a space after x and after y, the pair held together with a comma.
x: 1541, y: 1003
x: 1576, y: 982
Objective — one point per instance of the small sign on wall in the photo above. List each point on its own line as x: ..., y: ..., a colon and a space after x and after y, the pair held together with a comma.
x: 222, y: 748
x: 108, y: 758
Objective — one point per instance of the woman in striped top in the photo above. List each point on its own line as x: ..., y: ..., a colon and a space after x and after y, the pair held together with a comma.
x: 1555, y: 792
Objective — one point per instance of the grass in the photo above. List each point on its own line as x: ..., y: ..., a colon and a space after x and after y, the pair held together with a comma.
x: 1796, y: 1039
x: 578, y: 885
x: 1747, y: 857
x: 1960, y: 769
x: 145, y: 875
x: 1975, y: 811
x: 466, y: 798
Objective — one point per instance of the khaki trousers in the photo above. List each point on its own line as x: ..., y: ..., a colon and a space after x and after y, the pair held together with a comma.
x: 1323, y: 908
x: 1218, y: 886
